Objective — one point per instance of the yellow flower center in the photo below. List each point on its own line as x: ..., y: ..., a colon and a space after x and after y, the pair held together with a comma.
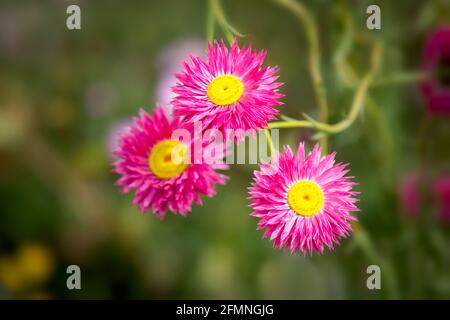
x: 168, y: 159
x: 224, y: 90
x: 305, y: 198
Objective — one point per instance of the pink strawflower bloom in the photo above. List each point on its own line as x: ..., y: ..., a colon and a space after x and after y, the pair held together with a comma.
x: 158, y: 167
x: 303, y: 201
x: 441, y: 188
x: 230, y: 90
x: 436, y: 62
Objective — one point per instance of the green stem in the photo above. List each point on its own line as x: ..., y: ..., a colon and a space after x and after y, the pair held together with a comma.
x: 210, y: 22
x: 348, y: 76
x: 344, y: 72
x: 269, y: 142
x: 401, y: 78
x: 387, y: 155
x: 291, y: 124
x: 314, y: 57
x: 357, y: 104
x: 227, y: 29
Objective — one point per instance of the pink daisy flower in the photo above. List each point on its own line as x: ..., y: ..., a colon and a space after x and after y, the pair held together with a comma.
x: 436, y: 62
x: 441, y: 188
x: 159, y: 169
x: 303, y: 201
x: 230, y: 90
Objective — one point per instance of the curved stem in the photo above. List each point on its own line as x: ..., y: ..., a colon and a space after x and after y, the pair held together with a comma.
x: 314, y: 57
x: 227, y: 29
x: 345, y: 74
x: 358, y: 103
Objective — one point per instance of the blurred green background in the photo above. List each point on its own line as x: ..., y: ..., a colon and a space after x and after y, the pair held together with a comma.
x: 64, y: 95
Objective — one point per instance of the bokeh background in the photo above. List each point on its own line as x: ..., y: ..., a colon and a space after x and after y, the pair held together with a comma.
x: 66, y: 95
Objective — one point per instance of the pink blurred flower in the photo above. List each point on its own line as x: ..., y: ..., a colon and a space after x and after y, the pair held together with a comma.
x: 303, y: 201
x: 441, y: 189
x: 115, y: 134
x: 230, y: 90
x: 436, y: 62
x: 409, y: 195
x: 169, y: 62
x: 161, y: 182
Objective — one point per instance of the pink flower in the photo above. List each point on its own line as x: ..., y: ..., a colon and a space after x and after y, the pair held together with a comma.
x: 409, y: 195
x: 230, y: 90
x: 156, y: 165
x: 441, y: 188
x: 436, y: 62
x: 303, y: 201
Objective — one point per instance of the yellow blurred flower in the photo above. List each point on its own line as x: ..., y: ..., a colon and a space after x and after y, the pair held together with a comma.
x: 35, y: 262
x: 31, y: 265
